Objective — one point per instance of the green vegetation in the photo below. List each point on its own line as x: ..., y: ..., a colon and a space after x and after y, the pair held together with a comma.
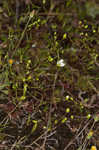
x: 49, y: 75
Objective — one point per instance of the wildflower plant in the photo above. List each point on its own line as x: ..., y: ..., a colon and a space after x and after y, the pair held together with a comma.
x: 49, y: 74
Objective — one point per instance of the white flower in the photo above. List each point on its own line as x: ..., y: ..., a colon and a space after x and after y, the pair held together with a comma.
x: 67, y: 97
x: 32, y: 14
x: 34, y: 45
x: 60, y: 63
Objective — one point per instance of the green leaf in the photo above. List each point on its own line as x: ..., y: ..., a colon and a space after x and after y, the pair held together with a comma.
x: 80, y: 148
x: 5, y: 92
x: 92, y: 9
x: 34, y: 126
x: 96, y: 118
